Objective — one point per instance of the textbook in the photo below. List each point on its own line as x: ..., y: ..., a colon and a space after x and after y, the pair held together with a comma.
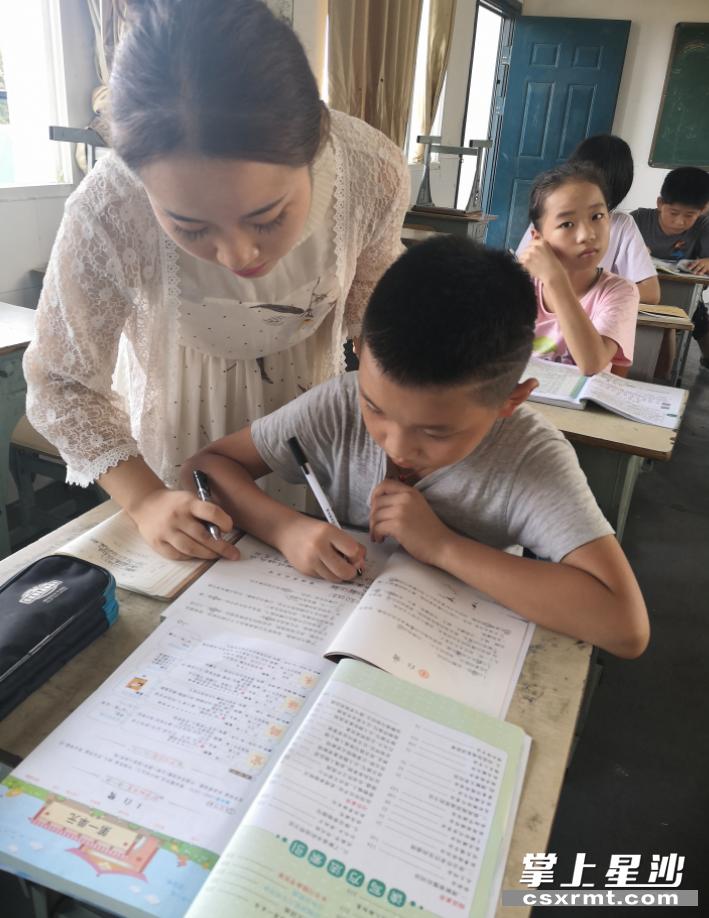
x: 680, y: 267
x: 226, y: 748
x: 566, y: 386
x: 117, y: 545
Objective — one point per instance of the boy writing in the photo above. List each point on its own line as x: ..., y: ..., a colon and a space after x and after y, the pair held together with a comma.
x: 431, y: 443
x: 678, y: 229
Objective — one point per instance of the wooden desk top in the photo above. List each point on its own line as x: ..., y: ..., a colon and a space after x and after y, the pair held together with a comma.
x: 684, y: 278
x: 16, y: 327
x: 598, y: 427
x: 545, y: 704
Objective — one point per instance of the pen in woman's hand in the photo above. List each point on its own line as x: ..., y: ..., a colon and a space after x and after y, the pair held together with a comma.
x: 202, y: 484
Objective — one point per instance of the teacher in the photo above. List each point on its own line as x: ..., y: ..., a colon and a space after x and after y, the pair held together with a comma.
x: 209, y: 268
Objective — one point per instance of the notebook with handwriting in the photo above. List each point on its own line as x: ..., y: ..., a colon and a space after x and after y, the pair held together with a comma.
x: 117, y: 545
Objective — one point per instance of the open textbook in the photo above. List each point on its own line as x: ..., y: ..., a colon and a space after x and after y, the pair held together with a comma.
x: 227, y: 733
x: 566, y: 386
x: 680, y: 267
x: 117, y: 545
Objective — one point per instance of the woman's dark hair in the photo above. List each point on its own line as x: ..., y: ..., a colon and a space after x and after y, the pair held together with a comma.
x: 548, y: 182
x: 217, y: 78
x: 612, y: 156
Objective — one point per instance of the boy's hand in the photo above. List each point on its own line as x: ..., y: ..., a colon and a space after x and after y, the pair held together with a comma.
x: 402, y: 512
x: 169, y: 521
x: 318, y: 549
x: 699, y: 266
x: 541, y: 261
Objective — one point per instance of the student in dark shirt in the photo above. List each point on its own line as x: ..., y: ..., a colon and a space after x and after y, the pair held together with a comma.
x: 678, y: 229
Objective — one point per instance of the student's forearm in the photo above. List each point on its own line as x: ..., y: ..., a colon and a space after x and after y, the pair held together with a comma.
x: 538, y: 590
x: 236, y: 492
x: 130, y: 482
x: 586, y: 345
x: 649, y: 290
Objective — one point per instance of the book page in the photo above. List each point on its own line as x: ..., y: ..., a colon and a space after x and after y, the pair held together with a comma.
x: 262, y: 594
x: 436, y: 631
x: 556, y: 380
x: 639, y: 401
x: 137, y: 793
x: 680, y: 267
x: 389, y: 796
x: 117, y: 545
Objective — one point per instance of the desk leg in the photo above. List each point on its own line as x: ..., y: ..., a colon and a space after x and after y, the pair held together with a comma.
x: 683, y: 349
x: 687, y: 297
x: 648, y: 339
x: 611, y: 476
x: 12, y: 406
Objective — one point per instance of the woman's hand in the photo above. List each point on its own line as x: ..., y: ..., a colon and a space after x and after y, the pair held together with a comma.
x: 404, y: 513
x: 318, y: 549
x: 169, y: 521
x: 541, y: 262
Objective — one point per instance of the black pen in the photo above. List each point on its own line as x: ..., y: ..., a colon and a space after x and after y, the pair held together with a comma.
x: 202, y: 483
x: 315, y: 487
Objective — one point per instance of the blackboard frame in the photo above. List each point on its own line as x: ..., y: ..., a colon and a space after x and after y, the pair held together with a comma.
x: 663, y: 99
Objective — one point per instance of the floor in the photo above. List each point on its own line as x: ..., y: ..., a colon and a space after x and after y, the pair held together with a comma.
x: 639, y: 781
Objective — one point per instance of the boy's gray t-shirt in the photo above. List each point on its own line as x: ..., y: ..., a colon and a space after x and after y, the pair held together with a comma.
x: 521, y: 486
x: 692, y: 243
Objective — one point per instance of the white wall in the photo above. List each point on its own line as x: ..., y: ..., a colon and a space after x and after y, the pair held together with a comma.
x: 653, y: 23
x: 30, y: 216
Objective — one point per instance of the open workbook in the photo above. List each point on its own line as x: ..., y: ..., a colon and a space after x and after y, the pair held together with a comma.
x: 679, y: 268
x: 567, y: 387
x: 227, y: 747
x: 117, y: 545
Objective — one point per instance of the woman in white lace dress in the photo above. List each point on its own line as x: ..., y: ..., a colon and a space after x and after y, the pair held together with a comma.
x: 221, y: 254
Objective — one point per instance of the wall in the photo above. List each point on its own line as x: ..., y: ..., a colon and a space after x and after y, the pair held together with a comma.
x: 30, y: 216
x: 651, y: 32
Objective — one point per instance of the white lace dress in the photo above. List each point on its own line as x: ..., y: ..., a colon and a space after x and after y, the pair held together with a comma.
x: 202, y: 352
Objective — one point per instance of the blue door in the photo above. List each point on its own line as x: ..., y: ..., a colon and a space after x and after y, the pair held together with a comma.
x: 562, y: 87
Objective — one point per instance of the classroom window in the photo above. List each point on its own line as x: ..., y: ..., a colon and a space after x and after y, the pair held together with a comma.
x: 481, y: 92
x: 33, y: 87
x: 418, y: 101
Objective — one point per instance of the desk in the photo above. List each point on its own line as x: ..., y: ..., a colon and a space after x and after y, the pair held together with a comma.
x: 651, y: 325
x: 16, y: 330
x: 610, y: 450
x: 545, y: 704
x: 474, y: 227
x: 685, y: 292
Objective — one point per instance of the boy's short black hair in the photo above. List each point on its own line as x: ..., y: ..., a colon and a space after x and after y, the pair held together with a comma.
x: 687, y: 186
x: 451, y: 312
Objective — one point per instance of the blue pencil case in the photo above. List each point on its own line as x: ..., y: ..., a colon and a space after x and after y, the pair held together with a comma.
x: 49, y: 611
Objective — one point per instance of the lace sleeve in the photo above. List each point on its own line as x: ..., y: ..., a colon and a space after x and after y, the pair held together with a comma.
x: 390, y: 193
x: 69, y: 364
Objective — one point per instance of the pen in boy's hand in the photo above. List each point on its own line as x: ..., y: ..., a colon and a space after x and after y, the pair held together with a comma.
x: 315, y: 486
x: 202, y: 484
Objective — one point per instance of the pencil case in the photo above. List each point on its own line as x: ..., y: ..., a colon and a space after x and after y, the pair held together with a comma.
x: 49, y: 611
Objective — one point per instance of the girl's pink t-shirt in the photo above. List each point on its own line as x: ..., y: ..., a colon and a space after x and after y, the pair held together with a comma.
x: 611, y: 304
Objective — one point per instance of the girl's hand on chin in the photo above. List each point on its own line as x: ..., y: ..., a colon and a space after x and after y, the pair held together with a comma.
x: 541, y: 262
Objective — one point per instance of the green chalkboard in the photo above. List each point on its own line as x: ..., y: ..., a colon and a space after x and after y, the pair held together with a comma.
x: 682, y: 129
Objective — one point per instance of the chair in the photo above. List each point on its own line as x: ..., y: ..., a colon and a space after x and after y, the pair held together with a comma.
x: 31, y: 455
